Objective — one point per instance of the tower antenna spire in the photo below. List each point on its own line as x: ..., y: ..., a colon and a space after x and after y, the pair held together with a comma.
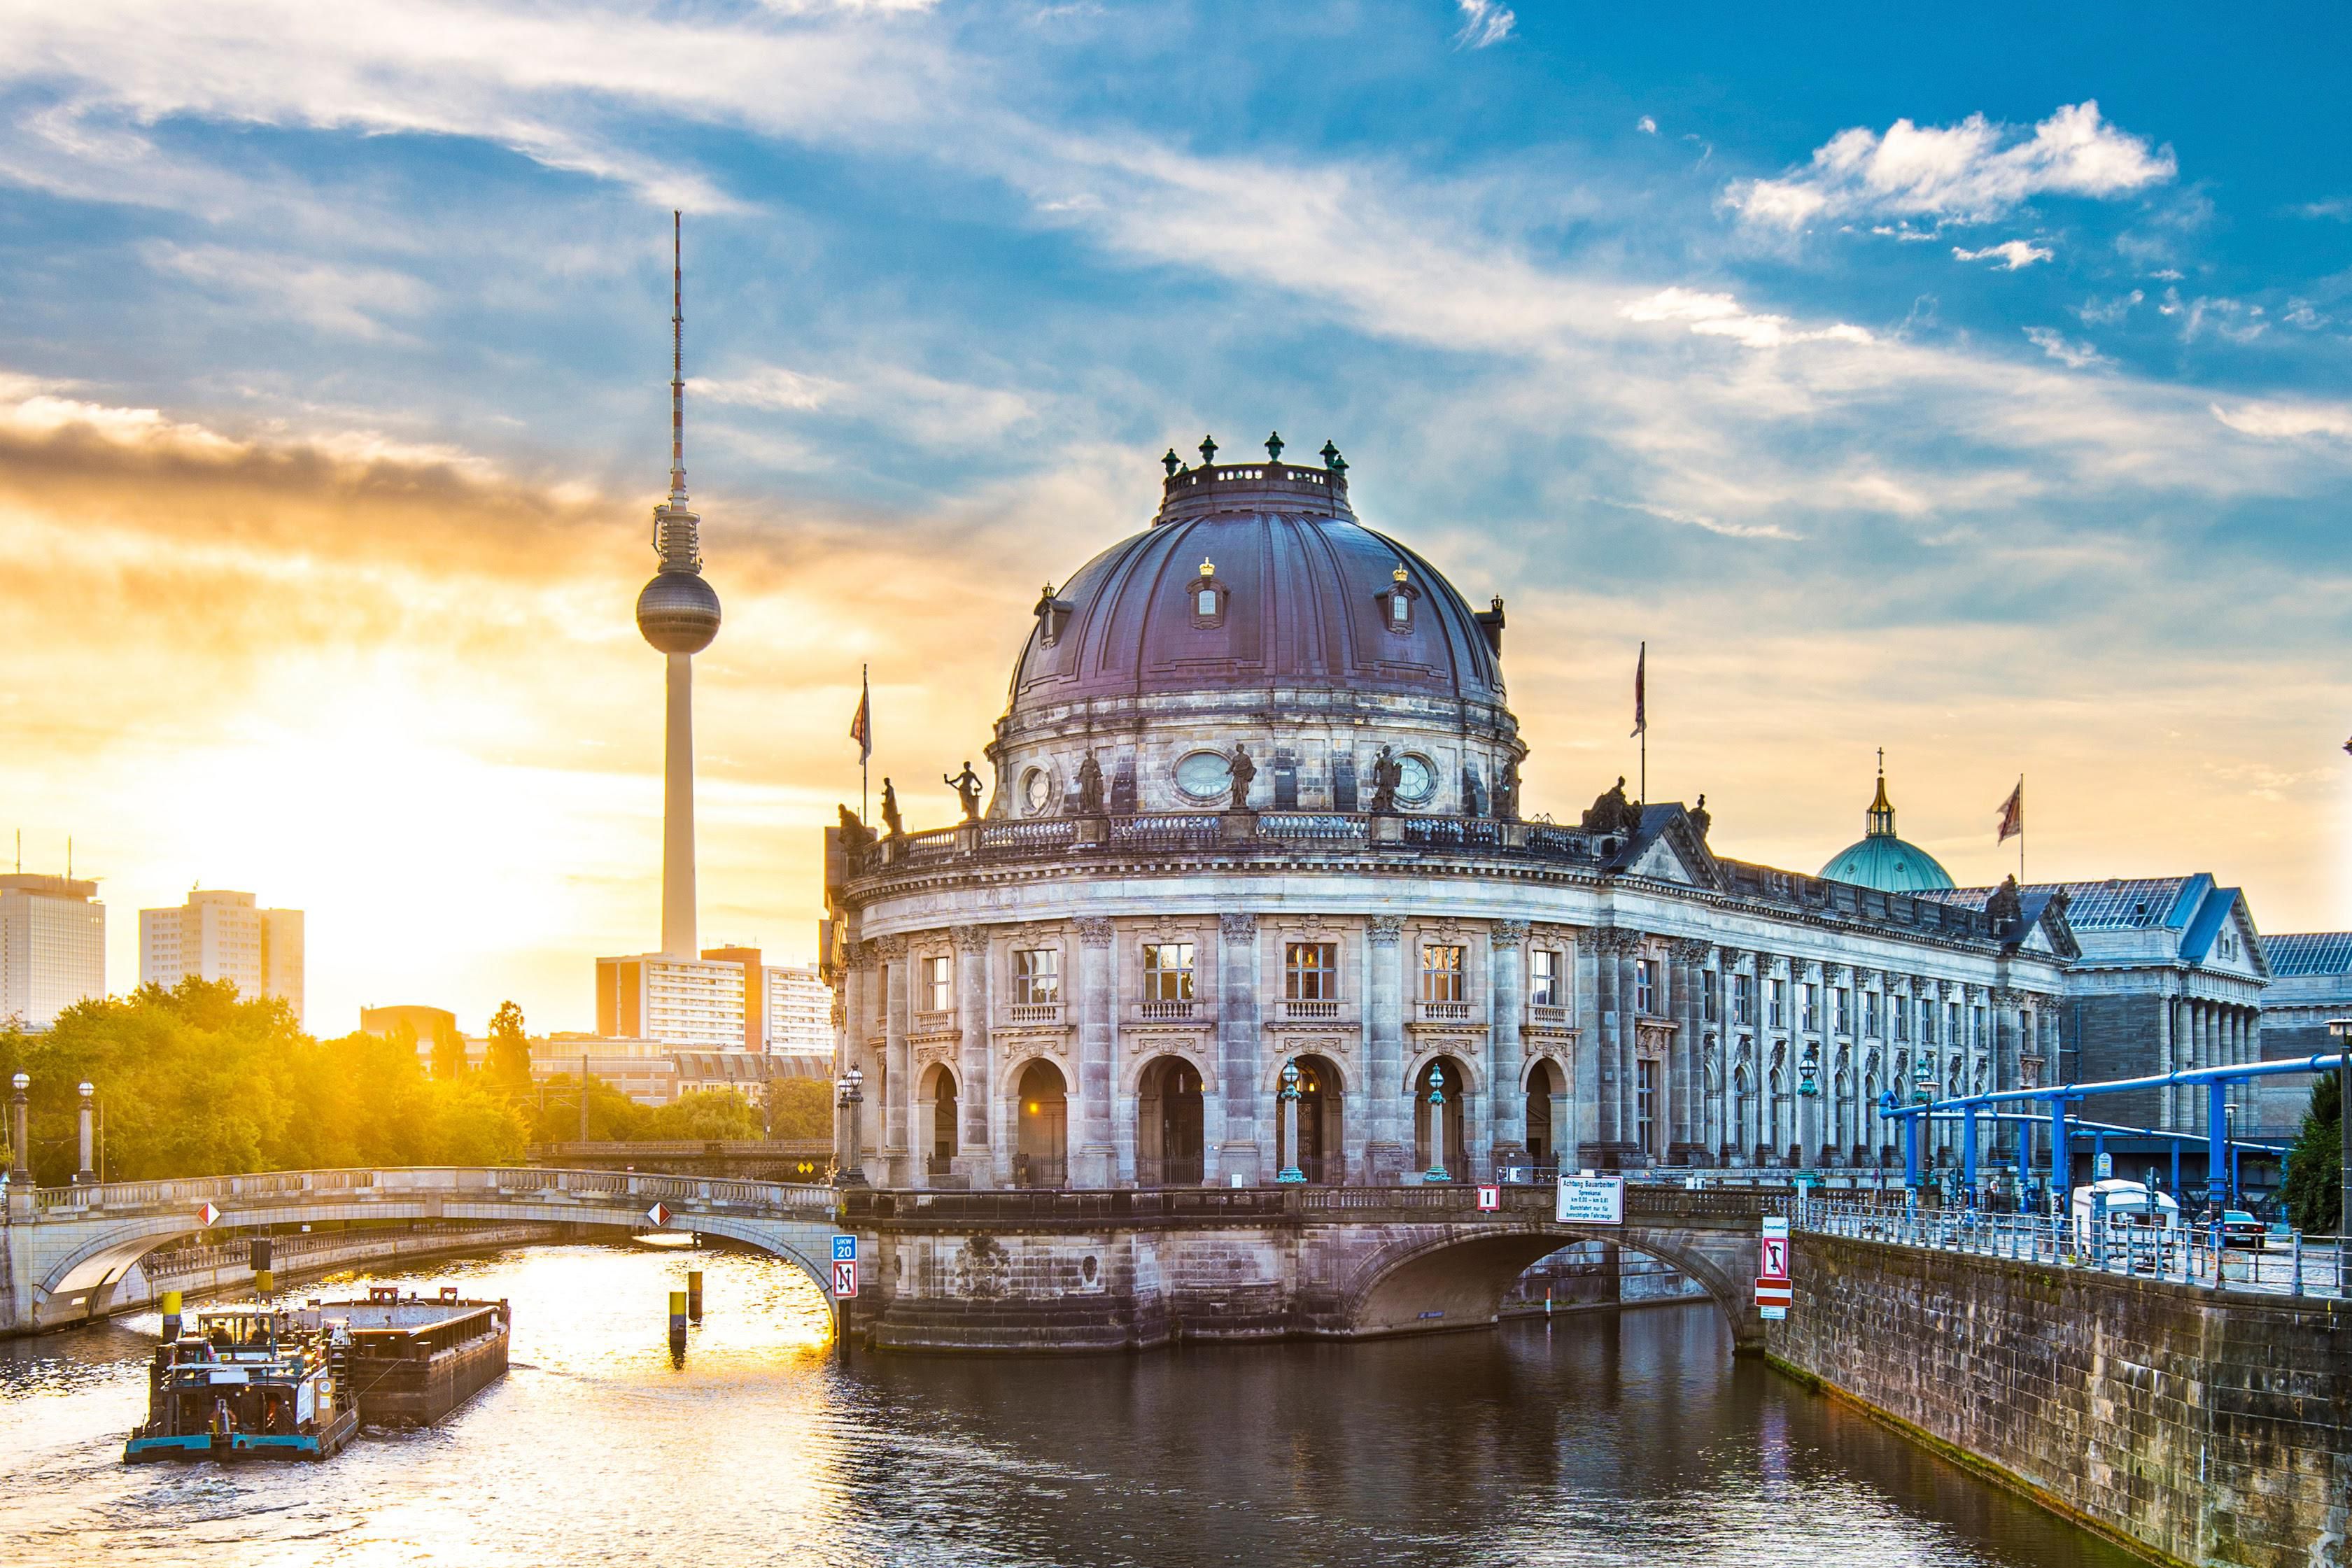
x: 677, y: 359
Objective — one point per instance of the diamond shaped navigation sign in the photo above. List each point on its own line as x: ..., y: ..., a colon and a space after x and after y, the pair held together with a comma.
x: 659, y: 1214
x: 208, y: 1214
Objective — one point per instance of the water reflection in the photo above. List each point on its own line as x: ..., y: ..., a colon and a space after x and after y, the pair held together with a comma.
x: 1601, y: 1440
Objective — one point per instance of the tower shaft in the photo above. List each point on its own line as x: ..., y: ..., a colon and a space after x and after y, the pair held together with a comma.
x: 677, y: 812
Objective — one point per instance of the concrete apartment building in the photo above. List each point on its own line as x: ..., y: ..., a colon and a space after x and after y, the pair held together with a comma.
x: 219, y: 935
x: 726, y: 999
x: 52, y: 946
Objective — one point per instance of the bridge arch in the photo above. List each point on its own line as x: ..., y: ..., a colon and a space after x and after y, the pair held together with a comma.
x: 1459, y: 1277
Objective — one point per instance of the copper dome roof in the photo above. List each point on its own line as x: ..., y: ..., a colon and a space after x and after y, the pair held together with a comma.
x: 1306, y: 603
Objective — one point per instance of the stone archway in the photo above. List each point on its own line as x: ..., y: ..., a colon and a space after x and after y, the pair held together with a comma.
x: 1546, y: 1111
x: 1449, y: 1074
x: 1170, y: 1126
x: 1041, y: 1148
x: 936, y: 1104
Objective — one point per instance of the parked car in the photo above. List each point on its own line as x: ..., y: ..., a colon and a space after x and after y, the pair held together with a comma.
x: 2240, y: 1228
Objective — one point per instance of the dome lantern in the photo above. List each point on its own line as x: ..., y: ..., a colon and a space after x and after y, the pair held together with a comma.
x: 1881, y: 860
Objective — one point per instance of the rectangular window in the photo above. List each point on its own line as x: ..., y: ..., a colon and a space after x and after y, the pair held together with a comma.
x: 1440, y: 974
x: 1982, y: 1039
x: 1544, y: 988
x: 1037, y: 976
x: 1812, y: 1018
x: 1208, y: 602
x: 1779, y: 999
x: 1167, y: 971
x: 938, y: 984
x: 1645, y: 1101
x: 1870, y: 1013
x: 1707, y: 995
x: 1952, y: 1023
x: 1645, y: 986
x: 1927, y: 1021
x: 1743, y: 997
x: 1400, y: 608
x: 1311, y: 971
x: 1844, y: 1010
x: 1902, y: 1011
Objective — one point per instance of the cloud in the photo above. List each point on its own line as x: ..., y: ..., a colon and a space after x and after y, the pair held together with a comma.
x: 2288, y: 420
x: 1701, y: 520
x: 769, y: 387
x: 2012, y: 256
x: 347, y: 301
x: 2097, y: 312
x: 1483, y: 23
x: 2073, y: 356
x: 1721, y: 316
x: 1646, y: 126
x: 2336, y: 207
x: 1974, y: 171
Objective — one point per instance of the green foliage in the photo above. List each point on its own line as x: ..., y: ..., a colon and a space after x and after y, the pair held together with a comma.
x: 2313, y: 1190
x: 800, y: 1108
x: 195, y: 1082
x: 704, y: 1114
x: 554, y: 1111
x: 508, y: 1061
x: 448, y: 1050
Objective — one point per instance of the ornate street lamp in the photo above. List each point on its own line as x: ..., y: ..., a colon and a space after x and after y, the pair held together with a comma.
x: 1436, y: 1172
x: 88, y: 1172
x: 19, y: 1165
x: 853, y: 1163
x: 1290, y: 1096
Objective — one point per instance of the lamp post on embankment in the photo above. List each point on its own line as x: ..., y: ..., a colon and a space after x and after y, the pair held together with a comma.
x: 20, y: 1171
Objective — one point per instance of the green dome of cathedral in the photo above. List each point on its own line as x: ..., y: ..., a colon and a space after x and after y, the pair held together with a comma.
x: 1882, y: 860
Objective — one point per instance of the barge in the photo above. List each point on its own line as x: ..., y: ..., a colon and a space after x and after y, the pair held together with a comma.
x: 409, y: 1361
x: 249, y: 1384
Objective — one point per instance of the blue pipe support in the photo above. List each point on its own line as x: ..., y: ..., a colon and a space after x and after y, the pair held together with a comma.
x: 2217, y: 1136
x: 1968, y: 1155
x: 2062, y: 1158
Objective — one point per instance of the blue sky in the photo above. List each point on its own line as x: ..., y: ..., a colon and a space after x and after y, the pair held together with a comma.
x: 1973, y: 385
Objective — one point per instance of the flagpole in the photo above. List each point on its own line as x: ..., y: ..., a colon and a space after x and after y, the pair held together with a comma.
x: 864, y: 746
x: 2021, y: 831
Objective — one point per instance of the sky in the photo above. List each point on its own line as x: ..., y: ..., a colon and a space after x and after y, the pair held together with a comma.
x: 1970, y: 384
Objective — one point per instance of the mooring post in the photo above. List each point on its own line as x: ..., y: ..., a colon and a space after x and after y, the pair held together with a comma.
x: 694, y: 1294
x: 677, y: 1322
x: 171, y: 1316
x: 264, y: 1282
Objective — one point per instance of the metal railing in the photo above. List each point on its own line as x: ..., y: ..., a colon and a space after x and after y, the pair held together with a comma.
x: 1169, y: 1170
x: 363, y: 1187
x: 2296, y: 1265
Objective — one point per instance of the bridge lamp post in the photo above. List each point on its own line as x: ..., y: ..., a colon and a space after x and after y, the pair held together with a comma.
x: 853, y: 1163
x: 88, y: 1172
x: 1292, y: 1171
x: 1436, y: 1172
x: 20, y: 1168
x: 1809, y: 1089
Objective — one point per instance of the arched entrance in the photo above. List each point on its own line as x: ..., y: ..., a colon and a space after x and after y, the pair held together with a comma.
x: 1169, y: 1141
x: 940, y: 1091
x: 1042, y: 1146
x: 1547, y: 1109
x: 1322, y: 1151
x: 1443, y: 1072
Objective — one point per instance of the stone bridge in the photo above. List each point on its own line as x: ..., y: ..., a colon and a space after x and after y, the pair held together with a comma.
x: 69, y: 1247
x: 1034, y: 1271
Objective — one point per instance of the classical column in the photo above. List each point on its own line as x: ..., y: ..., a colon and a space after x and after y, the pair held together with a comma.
x: 1683, y: 1081
x: 1607, y: 944
x: 894, y: 1061
x: 1506, y: 1049
x: 976, y: 1070
x: 2166, y: 1010
x: 1629, y: 1040
x: 1237, y: 1045
x: 1387, y: 1099
x: 1097, y: 1006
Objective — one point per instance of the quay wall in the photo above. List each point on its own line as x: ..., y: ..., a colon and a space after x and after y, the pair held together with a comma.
x: 2195, y: 1426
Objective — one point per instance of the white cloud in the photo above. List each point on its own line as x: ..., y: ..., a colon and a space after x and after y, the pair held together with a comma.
x: 2011, y: 254
x: 1974, y: 171
x: 1722, y: 316
x: 769, y: 387
x: 2073, y: 356
x: 1483, y: 23
x: 345, y: 300
x: 2286, y: 420
x: 922, y: 410
x: 1646, y: 126
x: 2097, y: 312
x: 1701, y: 520
x: 2336, y: 207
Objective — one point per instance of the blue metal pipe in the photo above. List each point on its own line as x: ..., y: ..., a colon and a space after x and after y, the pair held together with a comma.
x: 2239, y: 1073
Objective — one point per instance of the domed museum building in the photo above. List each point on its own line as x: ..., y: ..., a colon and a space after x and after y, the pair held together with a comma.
x: 1254, y: 895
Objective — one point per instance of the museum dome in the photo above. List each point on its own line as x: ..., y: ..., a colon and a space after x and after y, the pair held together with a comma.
x: 1257, y: 575
x: 1883, y: 861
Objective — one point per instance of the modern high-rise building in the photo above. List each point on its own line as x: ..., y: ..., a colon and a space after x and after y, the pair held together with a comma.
x: 682, y: 1001
x: 221, y: 936
x: 52, y: 946
x: 800, y: 1011
x: 678, y: 612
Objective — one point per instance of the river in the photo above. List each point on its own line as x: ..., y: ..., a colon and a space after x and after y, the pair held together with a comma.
x: 1604, y: 1439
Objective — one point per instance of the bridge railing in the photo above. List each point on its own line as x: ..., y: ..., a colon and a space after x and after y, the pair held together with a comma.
x: 2298, y: 1265
x: 517, y: 1182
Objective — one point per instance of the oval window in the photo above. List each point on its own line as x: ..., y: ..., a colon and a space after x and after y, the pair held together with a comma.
x: 1204, y: 775
x: 1037, y: 789
x: 1417, y: 780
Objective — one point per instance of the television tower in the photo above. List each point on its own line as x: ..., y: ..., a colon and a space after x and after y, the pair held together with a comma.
x: 678, y: 614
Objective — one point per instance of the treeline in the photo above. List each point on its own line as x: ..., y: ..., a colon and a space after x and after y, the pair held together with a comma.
x: 197, y: 1081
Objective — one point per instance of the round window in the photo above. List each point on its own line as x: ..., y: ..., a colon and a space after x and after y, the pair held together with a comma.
x: 1204, y: 775
x: 1418, y: 779
x: 1036, y: 789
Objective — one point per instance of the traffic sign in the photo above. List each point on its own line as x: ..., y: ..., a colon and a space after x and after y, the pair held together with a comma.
x: 1776, y: 1258
x: 844, y: 1249
x: 2103, y: 1167
x: 659, y: 1215
x: 1490, y: 1198
x: 208, y: 1214
x: 1775, y: 1293
x: 1774, y: 1313
x: 1591, y: 1200
x: 844, y: 1277
x: 1776, y: 1225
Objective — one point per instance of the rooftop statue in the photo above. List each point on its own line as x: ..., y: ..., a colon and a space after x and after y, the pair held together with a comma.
x: 1388, y: 773
x: 967, y: 786
x: 891, y: 817
x: 1243, y: 770
x: 1090, y: 787
x: 1613, y: 813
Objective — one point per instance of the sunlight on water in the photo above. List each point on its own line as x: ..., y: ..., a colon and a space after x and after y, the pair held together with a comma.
x: 1603, y: 1441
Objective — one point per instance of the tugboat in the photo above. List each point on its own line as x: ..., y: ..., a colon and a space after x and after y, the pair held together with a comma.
x: 251, y: 1383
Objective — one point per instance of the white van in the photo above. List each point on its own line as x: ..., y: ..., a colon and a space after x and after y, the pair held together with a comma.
x: 2130, y: 1204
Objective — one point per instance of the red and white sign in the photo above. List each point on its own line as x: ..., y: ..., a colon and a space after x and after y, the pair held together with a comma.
x: 1775, y: 1293
x: 208, y: 1214
x: 1775, y: 1265
x: 845, y: 1276
x: 1490, y: 1198
x: 659, y: 1214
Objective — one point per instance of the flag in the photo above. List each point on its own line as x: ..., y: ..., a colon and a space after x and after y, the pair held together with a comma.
x: 2012, y: 813
x: 861, y: 728
x: 1641, y: 686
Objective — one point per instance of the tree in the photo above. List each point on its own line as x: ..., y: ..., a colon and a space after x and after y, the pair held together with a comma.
x: 508, y: 1061
x: 800, y: 1108
x: 2313, y: 1190
x: 448, y: 1052
x: 703, y: 1114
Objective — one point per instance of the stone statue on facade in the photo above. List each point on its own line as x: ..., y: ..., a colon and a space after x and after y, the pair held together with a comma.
x: 1243, y: 771
x: 891, y: 817
x: 2004, y: 908
x: 1388, y: 776
x: 855, y: 834
x: 1090, y: 787
x: 967, y: 786
x: 1699, y: 820
x: 1507, y: 792
x: 1613, y: 813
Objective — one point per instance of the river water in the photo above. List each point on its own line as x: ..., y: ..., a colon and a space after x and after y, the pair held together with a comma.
x: 1606, y: 1439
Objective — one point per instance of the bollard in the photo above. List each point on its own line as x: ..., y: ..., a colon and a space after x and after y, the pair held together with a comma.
x: 2296, y: 1289
x: 677, y: 1322
x: 265, y: 1280
x: 694, y: 1294
x: 171, y: 1316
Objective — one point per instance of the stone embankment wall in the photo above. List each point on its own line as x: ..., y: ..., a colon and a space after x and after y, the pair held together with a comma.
x: 2197, y: 1428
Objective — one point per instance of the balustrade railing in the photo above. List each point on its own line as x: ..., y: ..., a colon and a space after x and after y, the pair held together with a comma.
x: 393, y: 1185
x: 1036, y: 1012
